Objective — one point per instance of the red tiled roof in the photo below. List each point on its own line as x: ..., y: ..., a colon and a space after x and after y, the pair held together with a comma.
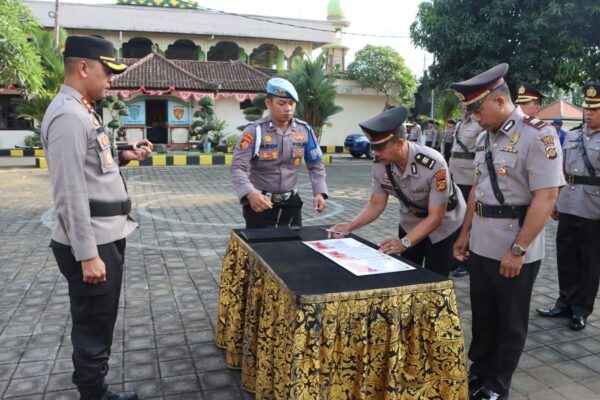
x: 560, y: 110
x: 156, y: 72
x: 235, y: 76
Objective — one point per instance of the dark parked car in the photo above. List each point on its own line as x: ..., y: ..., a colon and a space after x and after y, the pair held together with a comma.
x: 358, y: 145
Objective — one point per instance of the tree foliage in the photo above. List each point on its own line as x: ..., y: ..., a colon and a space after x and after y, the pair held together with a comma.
x: 20, y: 64
x: 383, y: 69
x: 544, y: 42
x: 316, y: 91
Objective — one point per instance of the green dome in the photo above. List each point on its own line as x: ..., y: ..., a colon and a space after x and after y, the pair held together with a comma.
x: 335, y: 10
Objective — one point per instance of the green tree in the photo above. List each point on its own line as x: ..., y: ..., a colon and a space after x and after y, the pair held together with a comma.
x: 116, y: 108
x: 545, y: 42
x: 383, y: 69
x: 20, y: 63
x: 32, y: 106
x: 256, y: 110
x: 316, y: 92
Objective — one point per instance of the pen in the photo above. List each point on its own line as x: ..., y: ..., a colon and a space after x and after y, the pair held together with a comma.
x: 334, y: 231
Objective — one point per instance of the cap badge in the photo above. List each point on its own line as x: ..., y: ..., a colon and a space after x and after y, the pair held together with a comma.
x: 521, y: 89
x: 280, y: 92
x: 591, y: 92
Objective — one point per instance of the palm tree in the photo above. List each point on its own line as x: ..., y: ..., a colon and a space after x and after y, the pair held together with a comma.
x: 34, y: 107
x: 447, y: 107
x: 316, y: 91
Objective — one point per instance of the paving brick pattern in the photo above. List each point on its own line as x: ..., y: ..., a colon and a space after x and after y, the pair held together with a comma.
x: 164, y: 337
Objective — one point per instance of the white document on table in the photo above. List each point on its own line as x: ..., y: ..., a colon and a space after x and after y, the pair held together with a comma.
x: 357, y: 257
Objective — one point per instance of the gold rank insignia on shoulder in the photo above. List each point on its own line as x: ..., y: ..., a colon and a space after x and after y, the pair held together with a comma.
x: 536, y: 123
x: 514, y: 138
x: 425, y: 160
x: 86, y: 103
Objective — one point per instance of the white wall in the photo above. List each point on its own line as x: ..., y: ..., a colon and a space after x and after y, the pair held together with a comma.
x: 8, y: 139
x: 357, y: 108
x: 228, y: 109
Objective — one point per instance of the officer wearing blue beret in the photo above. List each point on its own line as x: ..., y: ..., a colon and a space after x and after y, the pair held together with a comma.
x: 266, y: 159
x: 91, y: 208
x: 431, y: 206
x: 518, y: 173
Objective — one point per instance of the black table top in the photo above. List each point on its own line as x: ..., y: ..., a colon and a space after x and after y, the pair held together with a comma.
x: 306, y: 272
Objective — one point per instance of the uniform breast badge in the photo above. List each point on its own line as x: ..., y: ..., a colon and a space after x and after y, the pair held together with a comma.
x: 548, y: 141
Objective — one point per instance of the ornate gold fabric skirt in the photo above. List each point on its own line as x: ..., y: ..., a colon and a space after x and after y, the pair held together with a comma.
x: 394, y: 343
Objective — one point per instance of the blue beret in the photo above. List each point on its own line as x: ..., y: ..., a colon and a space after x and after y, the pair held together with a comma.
x: 280, y: 87
x: 557, y: 122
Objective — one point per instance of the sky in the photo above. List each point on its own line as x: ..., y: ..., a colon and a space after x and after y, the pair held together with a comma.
x: 373, y: 17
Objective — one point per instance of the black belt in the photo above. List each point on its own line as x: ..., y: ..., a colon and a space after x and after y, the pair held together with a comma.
x: 582, y: 180
x: 465, y: 156
x: 279, y: 197
x: 487, y: 211
x: 109, y: 208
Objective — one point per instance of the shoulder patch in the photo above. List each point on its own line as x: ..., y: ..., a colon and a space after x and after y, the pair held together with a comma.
x: 425, y: 160
x: 536, y: 123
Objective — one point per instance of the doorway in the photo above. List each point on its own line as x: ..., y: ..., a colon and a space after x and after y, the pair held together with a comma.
x: 156, y: 121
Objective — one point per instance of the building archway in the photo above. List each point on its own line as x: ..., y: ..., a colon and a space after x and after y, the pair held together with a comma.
x: 137, y: 47
x: 183, y: 49
x: 266, y: 56
x: 223, y: 51
x: 298, y: 52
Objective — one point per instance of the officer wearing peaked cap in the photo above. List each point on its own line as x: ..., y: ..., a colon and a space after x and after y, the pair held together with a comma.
x: 431, y: 206
x: 266, y: 159
x: 578, y: 214
x: 529, y: 99
x: 91, y: 208
x: 518, y: 173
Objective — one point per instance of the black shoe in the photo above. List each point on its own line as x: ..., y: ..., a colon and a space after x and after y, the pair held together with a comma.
x: 459, y: 272
x: 577, y: 322
x: 475, y: 382
x: 486, y: 394
x: 552, y: 312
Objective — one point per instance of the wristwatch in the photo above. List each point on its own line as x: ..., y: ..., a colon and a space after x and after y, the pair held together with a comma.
x: 518, y: 250
x: 406, y: 242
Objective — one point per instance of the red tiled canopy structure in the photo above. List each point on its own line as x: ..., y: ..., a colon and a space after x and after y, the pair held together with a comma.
x: 560, y: 110
x: 156, y: 75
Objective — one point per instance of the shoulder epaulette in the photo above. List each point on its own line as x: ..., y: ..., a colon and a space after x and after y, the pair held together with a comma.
x: 533, y: 121
x: 425, y: 160
x: 302, y: 122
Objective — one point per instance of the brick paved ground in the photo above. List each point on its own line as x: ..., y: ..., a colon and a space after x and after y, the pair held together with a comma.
x: 164, y: 341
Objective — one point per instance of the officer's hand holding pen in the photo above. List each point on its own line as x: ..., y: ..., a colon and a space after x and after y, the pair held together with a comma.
x: 94, y: 270
x: 141, y: 149
x: 339, y: 231
x: 259, y: 202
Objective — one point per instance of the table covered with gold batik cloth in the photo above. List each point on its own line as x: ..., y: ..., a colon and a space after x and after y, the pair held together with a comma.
x: 301, y: 327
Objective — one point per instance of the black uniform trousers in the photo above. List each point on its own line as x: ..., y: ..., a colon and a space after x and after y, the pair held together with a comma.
x: 438, y: 256
x: 94, y: 311
x: 500, y: 308
x: 578, y: 259
x: 291, y: 214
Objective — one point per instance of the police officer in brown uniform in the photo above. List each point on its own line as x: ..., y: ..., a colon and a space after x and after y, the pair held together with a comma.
x: 518, y: 172
x: 529, y: 99
x: 462, y: 163
x: 578, y: 213
x: 431, y: 207
x: 264, y: 170
x: 91, y: 208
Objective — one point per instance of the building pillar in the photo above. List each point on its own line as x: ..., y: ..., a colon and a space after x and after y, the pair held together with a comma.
x: 201, y: 55
x: 241, y: 54
x: 269, y: 59
x: 280, y: 60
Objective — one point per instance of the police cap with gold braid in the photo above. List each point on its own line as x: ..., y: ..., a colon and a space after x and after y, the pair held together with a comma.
x: 382, y: 127
x: 527, y: 92
x: 93, y: 48
x: 473, y: 91
x: 591, y: 92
